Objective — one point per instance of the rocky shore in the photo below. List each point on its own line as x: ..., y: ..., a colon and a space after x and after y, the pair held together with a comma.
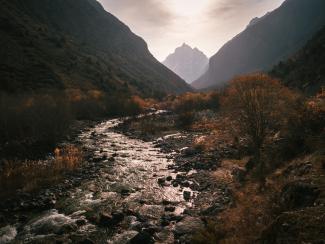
x: 132, y: 189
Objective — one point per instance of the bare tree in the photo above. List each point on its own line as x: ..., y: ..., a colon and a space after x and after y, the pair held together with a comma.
x: 257, y: 104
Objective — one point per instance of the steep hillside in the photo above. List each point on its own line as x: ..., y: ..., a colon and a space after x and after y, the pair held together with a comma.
x: 76, y: 44
x: 265, y: 41
x: 306, y: 69
x: 189, y: 63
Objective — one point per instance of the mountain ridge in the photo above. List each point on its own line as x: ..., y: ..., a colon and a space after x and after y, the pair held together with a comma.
x: 76, y: 44
x: 265, y: 42
x: 189, y: 63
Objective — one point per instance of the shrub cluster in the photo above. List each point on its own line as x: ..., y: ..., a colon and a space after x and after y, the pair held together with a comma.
x: 190, y: 102
x: 31, y: 124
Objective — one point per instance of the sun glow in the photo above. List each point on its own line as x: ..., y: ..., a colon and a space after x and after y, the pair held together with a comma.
x: 188, y: 7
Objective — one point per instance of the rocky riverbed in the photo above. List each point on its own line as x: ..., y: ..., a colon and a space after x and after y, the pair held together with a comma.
x: 130, y: 191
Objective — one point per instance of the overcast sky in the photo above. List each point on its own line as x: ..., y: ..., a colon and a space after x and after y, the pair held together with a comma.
x: 205, y: 24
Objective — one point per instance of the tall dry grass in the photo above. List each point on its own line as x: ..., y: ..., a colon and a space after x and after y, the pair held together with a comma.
x: 31, y: 175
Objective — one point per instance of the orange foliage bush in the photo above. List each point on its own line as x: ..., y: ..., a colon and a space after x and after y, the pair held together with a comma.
x: 190, y: 102
x: 259, y: 105
x: 29, y: 175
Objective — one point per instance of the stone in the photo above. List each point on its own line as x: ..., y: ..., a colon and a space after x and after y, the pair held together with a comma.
x: 125, y: 192
x: 164, y: 221
x: 169, y: 178
x: 52, y: 222
x: 86, y: 241
x: 7, y: 234
x: 161, y: 181
x: 185, y: 184
x: 170, y: 209
x: 188, y: 225
x: 142, y: 238
x: 110, y: 220
x: 81, y: 222
x: 187, y: 195
x: 175, y: 184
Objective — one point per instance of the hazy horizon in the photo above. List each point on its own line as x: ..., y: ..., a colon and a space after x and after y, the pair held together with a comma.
x: 205, y: 24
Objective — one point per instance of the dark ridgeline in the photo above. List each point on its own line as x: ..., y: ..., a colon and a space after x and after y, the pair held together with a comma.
x: 306, y: 69
x: 48, y: 44
x: 189, y: 63
x: 265, y: 41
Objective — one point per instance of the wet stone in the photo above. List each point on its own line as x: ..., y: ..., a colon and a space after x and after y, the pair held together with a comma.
x: 175, y: 184
x: 170, y: 209
x: 187, y: 195
x: 188, y: 225
x: 110, y: 220
x: 142, y: 238
x: 161, y: 181
x: 185, y: 184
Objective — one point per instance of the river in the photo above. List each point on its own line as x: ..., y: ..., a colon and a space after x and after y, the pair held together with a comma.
x: 129, y: 196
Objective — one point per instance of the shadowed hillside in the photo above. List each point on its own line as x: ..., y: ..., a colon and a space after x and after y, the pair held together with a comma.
x: 306, y: 69
x: 76, y: 44
x: 265, y: 42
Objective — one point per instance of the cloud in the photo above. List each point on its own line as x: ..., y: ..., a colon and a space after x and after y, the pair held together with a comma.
x: 149, y: 12
x: 206, y: 24
x: 238, y: 8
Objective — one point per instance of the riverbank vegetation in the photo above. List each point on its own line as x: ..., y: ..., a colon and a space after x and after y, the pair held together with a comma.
x: 284, y: 132
x: 33, y: 124
x: 270, y: 143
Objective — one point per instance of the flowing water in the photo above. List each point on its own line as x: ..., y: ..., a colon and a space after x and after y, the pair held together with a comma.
x: 126, y: 184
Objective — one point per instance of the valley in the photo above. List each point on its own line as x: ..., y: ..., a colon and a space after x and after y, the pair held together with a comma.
x: 102, y: 143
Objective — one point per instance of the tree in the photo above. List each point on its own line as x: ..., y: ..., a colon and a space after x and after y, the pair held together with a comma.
x: 258, y: 105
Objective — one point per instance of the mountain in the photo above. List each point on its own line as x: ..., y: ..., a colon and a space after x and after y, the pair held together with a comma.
x: 265, y: 41
x: 306, y: 69
x: 189, y: 63
x: 65, y: 44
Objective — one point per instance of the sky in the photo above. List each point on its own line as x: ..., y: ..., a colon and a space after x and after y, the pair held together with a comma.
x: 205, y: 24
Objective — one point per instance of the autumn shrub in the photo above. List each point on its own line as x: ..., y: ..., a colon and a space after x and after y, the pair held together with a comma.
x: 32, y: 122
x: 259, y: 106
x: 305, y: 131
x: 30, y: 175
x: 213, y: 233
x: 191, y: 102
x: 185, y: 120
x: 123, y: 106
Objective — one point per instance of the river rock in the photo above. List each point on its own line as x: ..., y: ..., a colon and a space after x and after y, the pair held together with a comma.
x: 170, y: 209
x: 161, y: 181
x: 175, y: 184
x: 185, y: 184
x: 110, y: 220
x: 123, y: 238
x: 169, y: 178
x: 7, y: 234
x: 142, y: 238
x: 187, y: 195
x: 51, y: 222
x: 189, y: 225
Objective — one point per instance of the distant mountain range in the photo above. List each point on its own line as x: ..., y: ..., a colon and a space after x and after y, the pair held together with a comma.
x: 62, y: 44
x: 265, y: 42
x: 306, y: 69
x: 189, y: 63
